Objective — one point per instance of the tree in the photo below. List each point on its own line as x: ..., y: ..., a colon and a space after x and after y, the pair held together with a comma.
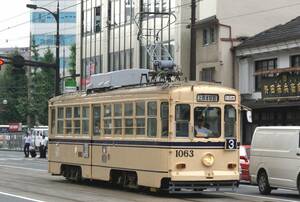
x: 72, y: 62
x: 14, y: 90
x: 43, y: 89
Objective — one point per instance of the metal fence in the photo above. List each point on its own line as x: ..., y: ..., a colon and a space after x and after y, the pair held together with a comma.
x: 12, y: 141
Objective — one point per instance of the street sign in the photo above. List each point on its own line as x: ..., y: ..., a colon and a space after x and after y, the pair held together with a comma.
x: 70, y: 85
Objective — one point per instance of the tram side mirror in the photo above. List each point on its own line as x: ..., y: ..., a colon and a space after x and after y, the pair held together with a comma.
x: 249, y: 116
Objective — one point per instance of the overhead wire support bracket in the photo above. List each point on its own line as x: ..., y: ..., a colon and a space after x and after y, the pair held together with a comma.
x: 149, y: 37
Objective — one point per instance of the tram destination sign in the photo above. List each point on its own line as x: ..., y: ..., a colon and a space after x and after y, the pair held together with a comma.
x: 285, y: 85
x: 207, y: 97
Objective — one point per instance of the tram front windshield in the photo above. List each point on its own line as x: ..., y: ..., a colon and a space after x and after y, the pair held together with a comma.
x: 207, y: 122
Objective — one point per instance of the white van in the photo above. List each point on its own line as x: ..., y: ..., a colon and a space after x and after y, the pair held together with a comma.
x: 37, y: 134
x: 275, y: 158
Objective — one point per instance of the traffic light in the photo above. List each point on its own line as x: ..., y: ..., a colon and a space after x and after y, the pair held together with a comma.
x: 1, y: 62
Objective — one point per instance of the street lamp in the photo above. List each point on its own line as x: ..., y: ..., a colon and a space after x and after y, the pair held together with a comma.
x: 56, y: 17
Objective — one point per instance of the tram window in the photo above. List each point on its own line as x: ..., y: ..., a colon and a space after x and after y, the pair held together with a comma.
x: 107, y: 119
x: 107, y: 110
x: 117, y: 110
x: 96, y: 120
x: 60, y: 120
x: 207, y: 122
x: 85, y: 120
x: 140, y: 118
x: 118, y: 119
x: 152, y: 119
x: 164, y: 114
x: 230, y: 121
x: 52, y: 120
x: 76, y: 120
x: 128, y: 126
x: 128, y: 113
x: 140, y: 126
x: 128, y: 109
x: 182, y: 118
x: 68, y: 121
x: 140, y: 109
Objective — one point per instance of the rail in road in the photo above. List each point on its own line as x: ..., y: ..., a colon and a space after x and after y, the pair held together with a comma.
x: 27, y: 179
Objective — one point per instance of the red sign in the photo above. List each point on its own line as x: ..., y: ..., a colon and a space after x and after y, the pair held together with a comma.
x: 15, y: 127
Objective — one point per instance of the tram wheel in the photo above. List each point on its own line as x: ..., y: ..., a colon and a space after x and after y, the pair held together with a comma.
x: 263, y: 183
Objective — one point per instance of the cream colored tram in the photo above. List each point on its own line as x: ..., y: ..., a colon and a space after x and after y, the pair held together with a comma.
x: 148, y: 137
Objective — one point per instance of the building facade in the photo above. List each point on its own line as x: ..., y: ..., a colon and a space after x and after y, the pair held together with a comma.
x: 107, y: 33
x: 43, y: 29
x: 269, y: 81
x: 224, y: 24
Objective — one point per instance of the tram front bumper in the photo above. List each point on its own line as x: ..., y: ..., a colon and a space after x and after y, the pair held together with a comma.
x: 183, y: 187
x: 205, y: 175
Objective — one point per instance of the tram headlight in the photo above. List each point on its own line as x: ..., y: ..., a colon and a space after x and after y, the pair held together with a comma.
x: 208, y: 159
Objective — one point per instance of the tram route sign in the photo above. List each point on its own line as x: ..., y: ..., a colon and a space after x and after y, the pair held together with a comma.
x: 207, y: 97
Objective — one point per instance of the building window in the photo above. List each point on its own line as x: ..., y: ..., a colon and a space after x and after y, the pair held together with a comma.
x: 97, y: 25
x: 209, y: 35
x: 212, y: 35
x: 129, y: 10
x: 208, y: 74
x: 295, y: 61
x: 44, y: 17
x: 263, y: 65
x: 205, y: 37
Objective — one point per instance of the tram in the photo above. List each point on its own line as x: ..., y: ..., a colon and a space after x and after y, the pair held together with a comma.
x: 180, y: 137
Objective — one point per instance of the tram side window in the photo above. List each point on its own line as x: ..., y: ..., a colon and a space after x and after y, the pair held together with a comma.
x: 76, y: 120
x: 85, y: 120
x: 140, y: 118
x: 118, y: 119
x: 128, y: 113
x: 96, y: 120
x: 230, y: 121
x: 52, y: 120
x: 68, y: 121
x: 152, y: 119
x: 164, y: 114
x: 60, y: 120
x: 107, y: 119
x: 182, y: 118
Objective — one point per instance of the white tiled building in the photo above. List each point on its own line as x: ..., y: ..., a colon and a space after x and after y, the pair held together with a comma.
x: 43, y: 29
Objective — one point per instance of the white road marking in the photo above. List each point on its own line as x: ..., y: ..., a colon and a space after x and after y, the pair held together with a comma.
x: 261, y: 197
x: 17, y: 167
x: 21, y: 197
x: 256, y: 187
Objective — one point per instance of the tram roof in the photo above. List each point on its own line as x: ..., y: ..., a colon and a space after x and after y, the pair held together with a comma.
x: 164, y: 88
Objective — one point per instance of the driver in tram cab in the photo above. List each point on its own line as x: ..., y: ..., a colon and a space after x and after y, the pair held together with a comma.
x: 201, y: 129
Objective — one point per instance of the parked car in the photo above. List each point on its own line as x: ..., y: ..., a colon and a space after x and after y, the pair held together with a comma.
x: 275, y: 158
x: 244, y: 162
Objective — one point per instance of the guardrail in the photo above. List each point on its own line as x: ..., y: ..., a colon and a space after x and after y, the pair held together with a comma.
x: 12, y: 141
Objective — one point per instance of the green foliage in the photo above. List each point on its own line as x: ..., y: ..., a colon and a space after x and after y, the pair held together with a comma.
x: 14, y: 90
x: 43, y: 88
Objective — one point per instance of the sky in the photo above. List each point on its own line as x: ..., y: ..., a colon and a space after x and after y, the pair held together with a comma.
x: 14, y: 23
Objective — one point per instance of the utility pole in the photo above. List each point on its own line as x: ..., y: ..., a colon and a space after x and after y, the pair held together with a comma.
x: 193, y: 42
